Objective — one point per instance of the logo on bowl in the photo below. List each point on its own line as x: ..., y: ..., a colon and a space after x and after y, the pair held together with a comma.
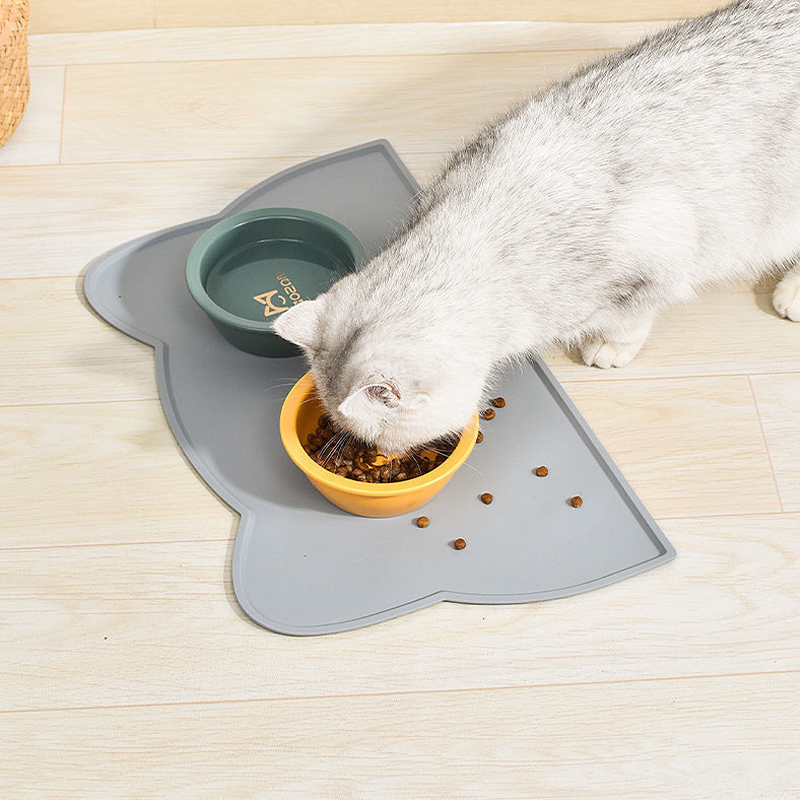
x: 270, y: 307
x: 274, y: 305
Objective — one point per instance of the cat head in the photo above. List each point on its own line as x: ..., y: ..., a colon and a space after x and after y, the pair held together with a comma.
x: 395, y: 386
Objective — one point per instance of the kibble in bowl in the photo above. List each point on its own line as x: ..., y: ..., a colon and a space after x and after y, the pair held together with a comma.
x: 339, y: 453
x: 300, y: 419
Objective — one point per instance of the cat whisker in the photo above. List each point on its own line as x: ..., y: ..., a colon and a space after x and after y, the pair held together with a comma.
x: 474, y: 469
x: 280, y: 386
x: 334, y: 445
x: 327, y: 448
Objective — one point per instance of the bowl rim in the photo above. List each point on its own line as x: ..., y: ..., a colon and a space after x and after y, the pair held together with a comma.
x: 206, y: 239
x: 303, y: 460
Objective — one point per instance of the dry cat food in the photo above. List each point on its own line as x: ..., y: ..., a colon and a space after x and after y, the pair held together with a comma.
x: 349, y: 458
x: 459, y: 544
x: 499, y: 402
x: 541, y: 472
x: 422, y: 522
x: 486, y: 498
x: 576, y: 502
x: 479, y: 438
x: 488, y: 413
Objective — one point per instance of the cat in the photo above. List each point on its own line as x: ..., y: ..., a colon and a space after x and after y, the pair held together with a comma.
x: 572, y: 219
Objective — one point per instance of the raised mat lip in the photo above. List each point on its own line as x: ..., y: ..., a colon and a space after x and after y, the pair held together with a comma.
x: 201, y: 246
x: 114, y: 314
x: 310, y: 468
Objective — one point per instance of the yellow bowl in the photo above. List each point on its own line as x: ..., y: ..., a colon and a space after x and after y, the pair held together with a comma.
x: 299, y: 416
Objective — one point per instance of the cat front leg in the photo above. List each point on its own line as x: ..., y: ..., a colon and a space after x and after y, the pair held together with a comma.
x: 786, y: 297
x: 620, y: 341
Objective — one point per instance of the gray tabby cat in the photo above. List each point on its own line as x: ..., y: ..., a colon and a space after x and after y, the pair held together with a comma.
x: 573, y: 219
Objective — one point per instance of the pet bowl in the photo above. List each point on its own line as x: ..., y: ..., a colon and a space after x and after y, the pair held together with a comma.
x: 249, y: 268
x: 299, y: 416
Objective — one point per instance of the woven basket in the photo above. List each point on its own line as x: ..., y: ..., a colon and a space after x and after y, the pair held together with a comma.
x: 15, y: 84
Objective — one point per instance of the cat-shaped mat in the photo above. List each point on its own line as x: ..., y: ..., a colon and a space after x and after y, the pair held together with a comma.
x: 303, y: 566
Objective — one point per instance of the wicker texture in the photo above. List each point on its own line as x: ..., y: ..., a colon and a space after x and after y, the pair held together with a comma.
x: 15, y: 83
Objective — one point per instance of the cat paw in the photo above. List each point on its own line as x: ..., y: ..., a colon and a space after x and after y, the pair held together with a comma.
x: 603, y: 354
x: 786, y: 297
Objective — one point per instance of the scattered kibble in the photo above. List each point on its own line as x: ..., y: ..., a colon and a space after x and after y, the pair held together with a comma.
x: 423, y: 522
x: 499, y: 402
x: 479, y: 439
x: 541, y: 472
x: 459, y: 544
x: 488, y: 413
x: 576, y: 502
x: 486, y: 498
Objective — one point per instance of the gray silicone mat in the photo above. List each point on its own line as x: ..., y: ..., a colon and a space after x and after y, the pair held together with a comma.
x: 301, y: 565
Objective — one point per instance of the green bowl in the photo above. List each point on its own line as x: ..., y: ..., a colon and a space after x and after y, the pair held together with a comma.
x: 249, y: 268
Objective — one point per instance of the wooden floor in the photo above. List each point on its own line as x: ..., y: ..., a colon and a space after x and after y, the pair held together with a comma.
x: 127, y: 668
x: 60, y: 16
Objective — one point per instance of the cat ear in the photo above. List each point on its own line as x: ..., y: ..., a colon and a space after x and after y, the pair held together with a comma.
x: 369, y: 402
x: 300, y: 324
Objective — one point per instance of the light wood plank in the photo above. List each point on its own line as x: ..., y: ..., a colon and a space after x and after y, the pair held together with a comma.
x: 157, y: 622
x: 187, y: 13
x: 100, y: 472
x: 85, y: 359
x: 734, y: 738
x: 57, y: 219
x: 89, y: 209
x: 778, y: 402
x: 726, y: 330
x: 57, y: 16
x: 46, y: 328
x: 37, y: 137
x: 315, y: 41
x: 55, y: 349
x: 293, y: 107
x: 687, y: 446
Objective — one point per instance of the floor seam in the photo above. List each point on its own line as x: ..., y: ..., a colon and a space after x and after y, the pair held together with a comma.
x: 466, y: 53
x: 208, y: 539
x: 63, y: 115
x: 464, y: 690
x: 766, y: 443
